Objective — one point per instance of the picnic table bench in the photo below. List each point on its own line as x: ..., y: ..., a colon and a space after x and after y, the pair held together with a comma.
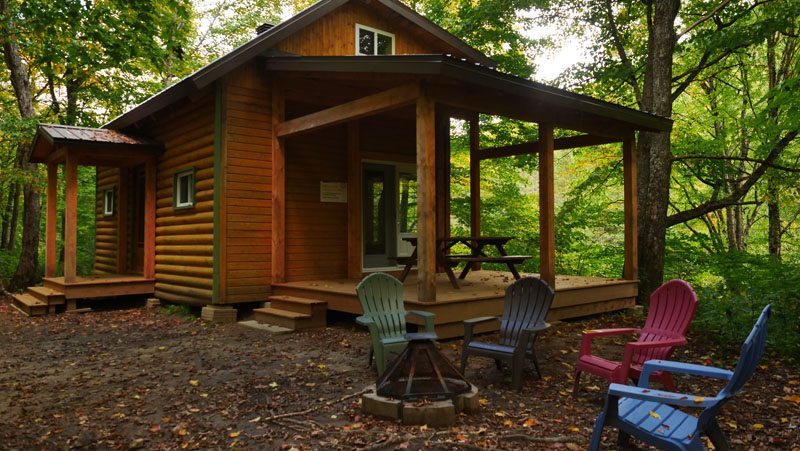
x: 476, y: 255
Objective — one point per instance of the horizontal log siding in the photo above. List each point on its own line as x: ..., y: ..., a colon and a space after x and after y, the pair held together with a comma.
x: 185, y: 238
x: 335, y: 34
x: 105, y: 260
x: 316, y: 232
x: 248, y: 194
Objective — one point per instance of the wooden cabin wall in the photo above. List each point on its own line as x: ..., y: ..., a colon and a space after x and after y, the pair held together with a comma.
x: 105, y: 260
x: 388, y: 138
x: 248, y: 194
x: 335, y: 34
x: 316, y: 232
x: 185, y: 238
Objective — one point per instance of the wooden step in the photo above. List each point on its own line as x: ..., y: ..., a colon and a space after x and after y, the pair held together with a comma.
x: 287, y: 319
x: 29, y: 305
x: 298, y: 304
x: 49, y: 296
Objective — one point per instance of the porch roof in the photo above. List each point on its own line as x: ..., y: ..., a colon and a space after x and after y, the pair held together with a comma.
x: 497, y: 92
x: 93, y: 146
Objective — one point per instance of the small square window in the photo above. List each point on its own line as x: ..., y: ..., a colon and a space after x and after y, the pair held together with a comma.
x: 370, y: 41
x: 183, y: 189
x: 108, y: 202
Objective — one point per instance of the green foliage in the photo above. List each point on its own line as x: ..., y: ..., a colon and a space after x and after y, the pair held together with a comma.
x: 178, y: 310
x: 734, y: 289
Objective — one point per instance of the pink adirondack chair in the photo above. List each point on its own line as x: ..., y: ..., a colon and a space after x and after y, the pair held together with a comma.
x: 672, y: 308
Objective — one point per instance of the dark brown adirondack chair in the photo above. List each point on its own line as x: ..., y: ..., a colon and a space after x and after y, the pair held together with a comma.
x: 527, y: 304
x: 672, y: 309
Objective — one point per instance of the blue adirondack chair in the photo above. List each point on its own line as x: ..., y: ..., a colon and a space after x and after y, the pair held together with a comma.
x: 647, y: 415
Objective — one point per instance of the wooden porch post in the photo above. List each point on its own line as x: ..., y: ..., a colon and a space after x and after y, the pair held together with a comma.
x: 122, y: 220
x: 474, y: 181
x: 631, y: 266
x: 148, y: 265
x: 354, y: 253
x: 547, y: 237
x: 426, y: 198
x: 70, y: 217
x: 52, y: 219
x: 278, y: 187
x: 442, y: 175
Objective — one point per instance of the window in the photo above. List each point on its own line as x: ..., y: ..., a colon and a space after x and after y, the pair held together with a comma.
x: 183, y: 189
x: 370, y: 41
x: 108, y: 202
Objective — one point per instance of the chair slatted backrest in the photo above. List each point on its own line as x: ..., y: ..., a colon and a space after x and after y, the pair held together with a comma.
x: 381, y: 297
x: 672, y: 308
x: 750, y: 355
x: 527, y: 304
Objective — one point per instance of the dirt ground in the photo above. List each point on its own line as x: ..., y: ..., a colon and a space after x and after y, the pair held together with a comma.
x: 133, y: 377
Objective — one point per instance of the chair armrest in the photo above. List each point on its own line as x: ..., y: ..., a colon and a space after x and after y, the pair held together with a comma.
x: 663, y: 397
x: 364, y: 321
x: 588, y: 335
x: 427, y: 316
x: 527, y: 335
x: 469, y: 324
x: 627, y: 356
x: 683, y: 368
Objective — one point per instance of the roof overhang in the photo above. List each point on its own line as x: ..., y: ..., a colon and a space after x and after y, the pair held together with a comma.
x: 491, y: 91
x: 91, y: 146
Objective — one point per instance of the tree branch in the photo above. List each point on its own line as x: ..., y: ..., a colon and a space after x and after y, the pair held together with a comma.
x: 703, y: 19
x: 722, y: 157
x: 739, y: 192
x: 622, y: 55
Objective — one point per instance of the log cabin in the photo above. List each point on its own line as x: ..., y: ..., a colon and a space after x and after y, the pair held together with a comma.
x: 274, y: 174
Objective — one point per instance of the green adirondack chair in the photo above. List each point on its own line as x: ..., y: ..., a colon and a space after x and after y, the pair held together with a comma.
x: 381, y: 297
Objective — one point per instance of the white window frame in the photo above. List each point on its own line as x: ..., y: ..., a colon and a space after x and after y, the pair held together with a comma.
x: 360, y: 27
x: 108, y: 202
x: 190, y: 174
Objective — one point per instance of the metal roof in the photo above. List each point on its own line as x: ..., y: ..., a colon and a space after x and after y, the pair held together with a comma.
x: 49, y: 136
x: 266, y: 40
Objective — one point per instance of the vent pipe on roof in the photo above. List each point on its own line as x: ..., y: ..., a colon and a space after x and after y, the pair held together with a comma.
x: 264, y: 27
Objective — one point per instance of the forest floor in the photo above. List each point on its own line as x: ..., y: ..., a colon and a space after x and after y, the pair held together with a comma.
x: 133, y: 377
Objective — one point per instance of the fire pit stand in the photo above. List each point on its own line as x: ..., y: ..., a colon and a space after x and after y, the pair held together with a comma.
x: 421, y: 386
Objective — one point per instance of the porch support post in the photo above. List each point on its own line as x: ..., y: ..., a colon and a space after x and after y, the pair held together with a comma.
x: 52, y: 219
x: 547, y: 237
x: 122, y: 220
x: 354, y: 253
x: 475, y: 180
x: 71, y: 217
x: 630, y: 269
x: 426, y: 198
x: 149, y: 263
x: 278, y: 187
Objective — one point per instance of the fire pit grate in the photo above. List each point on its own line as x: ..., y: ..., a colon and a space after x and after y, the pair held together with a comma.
x: 421, y: 371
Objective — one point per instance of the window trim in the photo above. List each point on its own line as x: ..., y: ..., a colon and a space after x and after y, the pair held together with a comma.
x: 359, y: 27
x: 191, y: 173
x: 106, y: 211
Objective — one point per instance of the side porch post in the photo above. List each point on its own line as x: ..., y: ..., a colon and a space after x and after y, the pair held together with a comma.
x: 631, y: 266
x: 148, y: 265
x: 70, y: 217
x: 122, y: 220
x: 426, y: 198
x: 52, y: 218
x: 547, y: 237
x: 474, y: 180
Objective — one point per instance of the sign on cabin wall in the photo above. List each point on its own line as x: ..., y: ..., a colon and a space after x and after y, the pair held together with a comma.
x: 333, y: 192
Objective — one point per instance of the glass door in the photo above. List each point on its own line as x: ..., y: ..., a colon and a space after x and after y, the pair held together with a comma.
x: 406, y: 209
x: 379, y: 210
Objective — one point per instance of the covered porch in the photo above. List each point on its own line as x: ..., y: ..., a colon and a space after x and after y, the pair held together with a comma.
x: 418, y: 95
x: 125, y: 215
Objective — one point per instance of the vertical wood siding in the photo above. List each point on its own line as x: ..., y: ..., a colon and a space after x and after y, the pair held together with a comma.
x: 185, y: 238
x: 248, y: 163
x: 105, y: 261
x: 335, y: 34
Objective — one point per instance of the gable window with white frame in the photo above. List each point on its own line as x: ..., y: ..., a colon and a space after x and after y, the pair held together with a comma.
x: 183, y: 189
x: 371, y: 41
x: 108, y: 202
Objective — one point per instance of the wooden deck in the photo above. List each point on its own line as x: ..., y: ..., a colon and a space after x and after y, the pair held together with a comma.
x: 101, y: 285
x: 481, y: 294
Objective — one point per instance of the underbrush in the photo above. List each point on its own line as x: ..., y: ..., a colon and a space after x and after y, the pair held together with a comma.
x: 178, y: 310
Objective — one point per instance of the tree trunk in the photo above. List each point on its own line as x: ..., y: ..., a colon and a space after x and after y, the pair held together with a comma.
x: 5, y: 216
x: 773, y: 192
x: 12, y: 231
x: 655, y: 158
x: 18, y: 73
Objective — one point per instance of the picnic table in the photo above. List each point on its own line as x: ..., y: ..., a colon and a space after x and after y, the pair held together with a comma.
x: 476, y: 245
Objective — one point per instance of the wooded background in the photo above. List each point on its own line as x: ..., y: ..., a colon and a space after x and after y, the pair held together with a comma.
x: 719, y: 197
